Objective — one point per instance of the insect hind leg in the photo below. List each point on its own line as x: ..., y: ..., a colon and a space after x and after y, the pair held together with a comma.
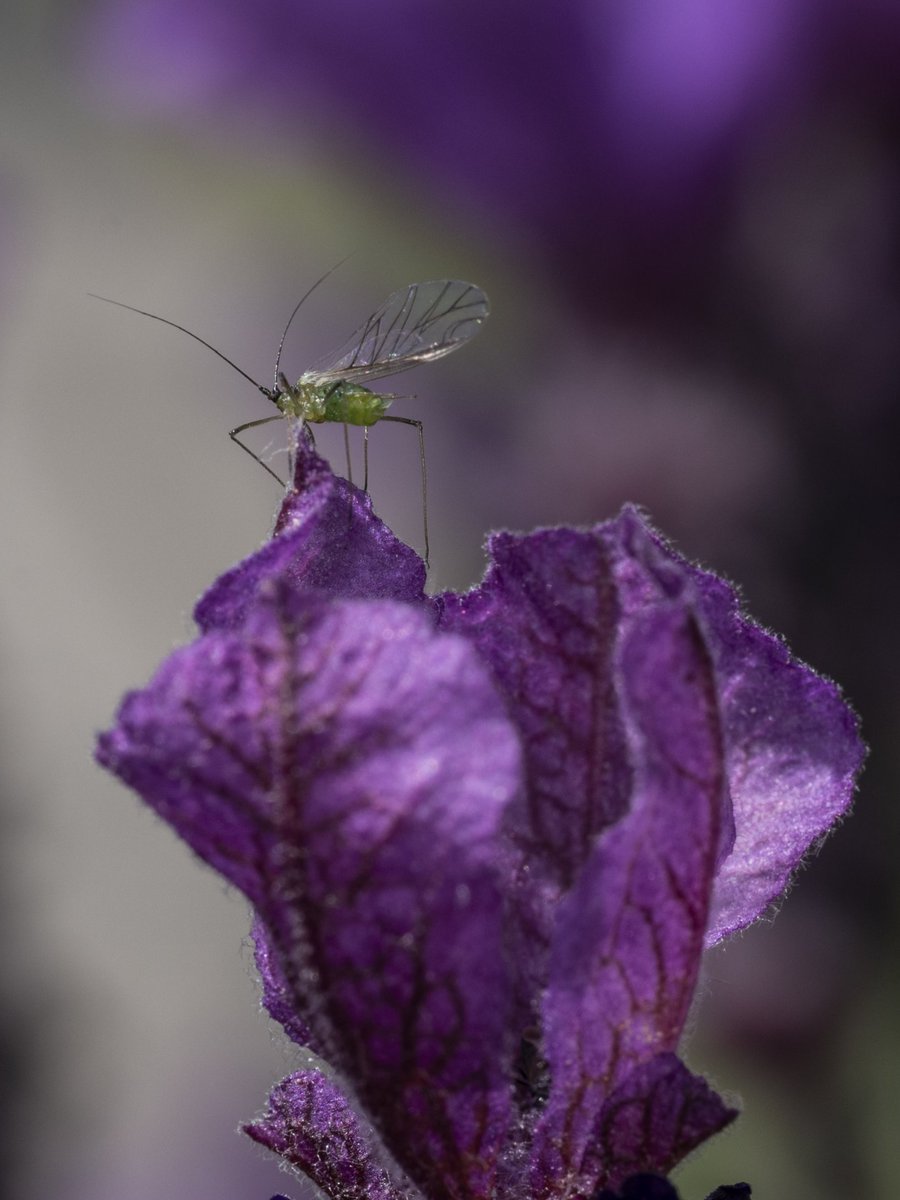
x: 418, y: 426
x: 347, y: 452
x: 233, y: 434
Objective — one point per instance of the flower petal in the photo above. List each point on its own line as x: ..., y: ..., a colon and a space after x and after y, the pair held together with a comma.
x: 348, y: 768
x: 629, y: 935
x: 792, y: 743
x: 276, y: 994
x: 326, y: 539
x: 656, y: 1116
x: 546, y: 620
x: 310, y: 1124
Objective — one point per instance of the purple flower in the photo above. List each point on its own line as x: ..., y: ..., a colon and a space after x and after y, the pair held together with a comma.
x: 486, y: 836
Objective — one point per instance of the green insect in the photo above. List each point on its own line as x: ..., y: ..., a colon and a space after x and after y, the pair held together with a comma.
x: 415, y: 325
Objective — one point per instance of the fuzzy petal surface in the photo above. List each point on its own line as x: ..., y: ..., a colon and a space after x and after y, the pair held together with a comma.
x: 326, y: 539
x: 348, y: 768
x: 486, y: 836
x: 629, y: 935
x: 546, y: 621
x: 792, y: 743
x: 310, y: 1124
x: 277, y: 997
x: 657, y: 1115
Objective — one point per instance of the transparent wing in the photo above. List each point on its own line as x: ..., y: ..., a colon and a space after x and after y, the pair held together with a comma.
x: 416, y: 325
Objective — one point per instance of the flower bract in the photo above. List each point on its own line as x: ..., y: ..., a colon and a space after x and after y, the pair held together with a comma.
x: 486, y: 836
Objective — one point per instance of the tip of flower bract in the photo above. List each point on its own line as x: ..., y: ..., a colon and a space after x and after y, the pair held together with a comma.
x: 327, y: 540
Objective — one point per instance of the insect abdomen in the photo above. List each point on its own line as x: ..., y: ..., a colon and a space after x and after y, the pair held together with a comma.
x: 354, y: 405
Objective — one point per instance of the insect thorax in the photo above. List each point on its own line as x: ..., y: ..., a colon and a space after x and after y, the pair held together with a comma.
x: 348, y: 403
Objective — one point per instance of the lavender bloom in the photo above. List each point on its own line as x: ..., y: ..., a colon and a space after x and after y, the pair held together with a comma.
x: 486, y: 836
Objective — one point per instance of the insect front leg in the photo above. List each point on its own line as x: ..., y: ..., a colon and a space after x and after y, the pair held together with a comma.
x: 233, y: 434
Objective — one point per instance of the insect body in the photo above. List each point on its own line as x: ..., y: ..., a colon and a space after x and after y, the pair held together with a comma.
x: 348, y: 403
x: 415, y: 325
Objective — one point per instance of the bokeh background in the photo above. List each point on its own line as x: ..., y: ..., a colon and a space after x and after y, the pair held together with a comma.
x: 686, y: 216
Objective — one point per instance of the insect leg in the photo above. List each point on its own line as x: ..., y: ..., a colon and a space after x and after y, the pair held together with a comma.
x: 418, y: 425
x: 233, y: 434
x: 347, y: 452
x: 365, y: 458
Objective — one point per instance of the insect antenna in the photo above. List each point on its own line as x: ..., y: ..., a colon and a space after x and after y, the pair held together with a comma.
x: 306, y: 295
x: 270, y: 395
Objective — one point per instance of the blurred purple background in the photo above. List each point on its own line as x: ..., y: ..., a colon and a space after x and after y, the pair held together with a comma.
x: 687, y: 219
